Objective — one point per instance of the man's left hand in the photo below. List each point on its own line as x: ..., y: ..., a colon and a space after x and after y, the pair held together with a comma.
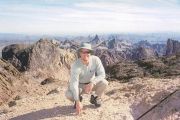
x: 88, y: 88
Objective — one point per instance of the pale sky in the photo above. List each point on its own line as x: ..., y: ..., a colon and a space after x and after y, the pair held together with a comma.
x: 89, y: 16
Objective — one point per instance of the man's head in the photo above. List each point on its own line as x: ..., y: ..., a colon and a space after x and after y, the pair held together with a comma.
x: 85, y: 50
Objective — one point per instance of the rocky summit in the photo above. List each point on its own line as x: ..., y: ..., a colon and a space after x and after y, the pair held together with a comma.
x: 42, y: 59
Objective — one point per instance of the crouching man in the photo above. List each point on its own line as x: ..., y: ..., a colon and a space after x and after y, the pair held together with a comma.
x: 87, y: 77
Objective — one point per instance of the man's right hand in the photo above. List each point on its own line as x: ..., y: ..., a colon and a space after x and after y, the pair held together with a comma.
x: 79, y: 107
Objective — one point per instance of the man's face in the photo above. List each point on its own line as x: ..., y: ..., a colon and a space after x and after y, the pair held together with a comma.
x: 84, y: 54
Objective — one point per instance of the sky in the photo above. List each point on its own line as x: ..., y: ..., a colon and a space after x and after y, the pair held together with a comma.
x: 89, y: 16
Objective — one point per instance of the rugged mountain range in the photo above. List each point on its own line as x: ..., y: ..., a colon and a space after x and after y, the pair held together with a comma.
x: 35, y: 58
x: 114, y: 49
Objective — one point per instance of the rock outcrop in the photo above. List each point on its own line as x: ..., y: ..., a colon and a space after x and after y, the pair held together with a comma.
x: 119, y: 45
x: 43, y: 59
x: 173, y: 47
x: 96, y: 40
x: 71, y: 45
x: 143, y: 53
x: 10, y: 81
x: 16, y: 55
x: 109, y: 57
x: 160, y: 48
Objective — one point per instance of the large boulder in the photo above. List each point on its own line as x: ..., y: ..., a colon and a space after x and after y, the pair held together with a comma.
x: 42, y: 59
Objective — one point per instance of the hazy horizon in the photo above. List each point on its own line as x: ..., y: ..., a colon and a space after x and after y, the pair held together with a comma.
x: 89, y: 17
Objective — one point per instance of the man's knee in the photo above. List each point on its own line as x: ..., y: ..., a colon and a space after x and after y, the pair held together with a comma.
x: 100, y: 87
x: 104, y: 83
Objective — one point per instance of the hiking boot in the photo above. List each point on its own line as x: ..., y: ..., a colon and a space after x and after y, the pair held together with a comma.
x: 80, y: 99
x: 95, y: 101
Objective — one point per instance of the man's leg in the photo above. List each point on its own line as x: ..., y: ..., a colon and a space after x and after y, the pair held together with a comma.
x: 99, y: 89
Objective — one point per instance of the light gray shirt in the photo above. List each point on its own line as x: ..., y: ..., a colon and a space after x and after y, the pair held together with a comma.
x: 81, y: 73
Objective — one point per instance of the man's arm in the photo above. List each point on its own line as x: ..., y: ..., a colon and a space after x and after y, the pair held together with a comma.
x: 74, y: 82
x: 100, y: 71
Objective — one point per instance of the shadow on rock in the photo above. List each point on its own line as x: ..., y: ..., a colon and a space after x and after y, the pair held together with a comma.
x: 89, y: 106
x: 47, y: 113
x: 156, y: 109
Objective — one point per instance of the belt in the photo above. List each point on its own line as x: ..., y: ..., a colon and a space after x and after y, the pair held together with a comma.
x: 84, y: 83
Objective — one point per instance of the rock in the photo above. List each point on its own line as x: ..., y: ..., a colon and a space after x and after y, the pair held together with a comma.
x: 118, y: 45
x: 4, y: 111
x: 47, y: 81
x: 16, y: 55
x: 95, y: 41
x: 10, y: 81
x: 69, y: 45
x: 53, y: 92
x: 17, y: 97
x: 112, y: 51
x: 107, y: 57
x: 143, y: 53
x: 127, y: 95
x: 42, y: 59
x: 173, y: 47
x: 12, y: 103
x: 160, y: 48
x: 11, y: 50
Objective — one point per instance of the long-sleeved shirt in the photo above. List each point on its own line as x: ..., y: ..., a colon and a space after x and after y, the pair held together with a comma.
x: 81, y: 73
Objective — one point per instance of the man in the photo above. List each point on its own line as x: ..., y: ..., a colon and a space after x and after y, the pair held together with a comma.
x: 87, y: 76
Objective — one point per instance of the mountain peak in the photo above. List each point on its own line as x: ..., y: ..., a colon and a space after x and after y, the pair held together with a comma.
x: 96, y: 40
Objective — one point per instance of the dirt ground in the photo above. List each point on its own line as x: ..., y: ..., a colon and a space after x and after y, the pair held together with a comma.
x: 122, y: 101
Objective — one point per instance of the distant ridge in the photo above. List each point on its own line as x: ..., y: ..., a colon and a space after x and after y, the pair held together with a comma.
x: 157, y: 37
